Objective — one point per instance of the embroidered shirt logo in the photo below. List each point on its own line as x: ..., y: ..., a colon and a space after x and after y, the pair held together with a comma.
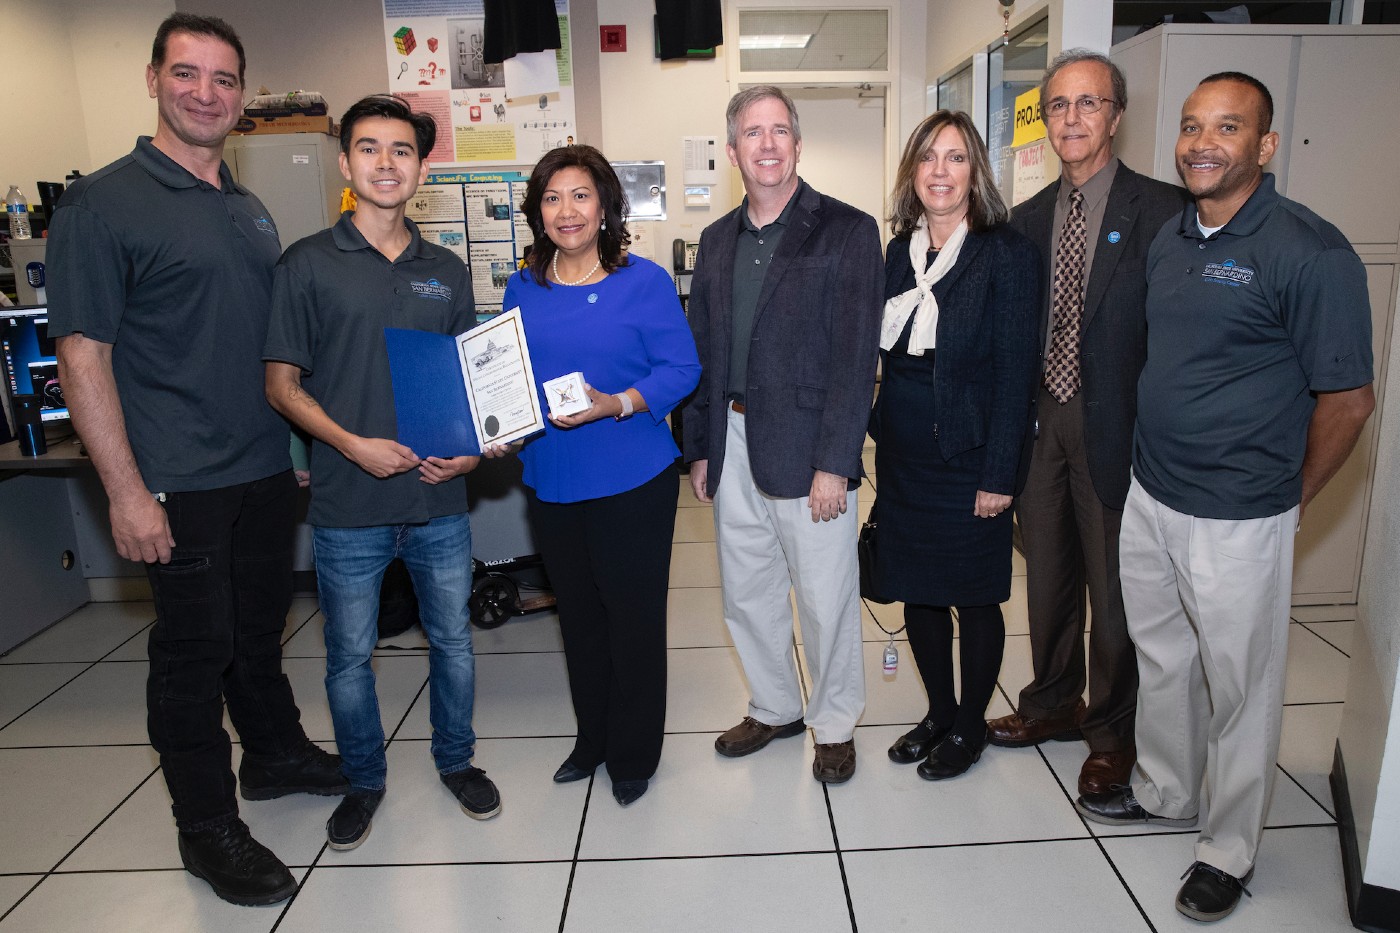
x: 431, y: 289
x: 1227, y: 273
x: 266, y: 225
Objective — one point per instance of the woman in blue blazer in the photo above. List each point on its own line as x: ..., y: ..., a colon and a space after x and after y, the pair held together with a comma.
x: 959, y: 361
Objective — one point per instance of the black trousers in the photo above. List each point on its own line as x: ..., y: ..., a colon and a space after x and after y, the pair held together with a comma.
x: 221, y: 607
x: 609, y: 561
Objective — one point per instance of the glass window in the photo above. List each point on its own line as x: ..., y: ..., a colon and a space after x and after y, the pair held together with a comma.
x: 1012, y: 68
x: 955, y: 91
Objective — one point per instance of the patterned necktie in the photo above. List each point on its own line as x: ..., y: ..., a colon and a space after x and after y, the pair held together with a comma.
x: 1062, y: 366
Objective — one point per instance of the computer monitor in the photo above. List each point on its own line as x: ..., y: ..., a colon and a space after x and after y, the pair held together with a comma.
x: 31, y: 368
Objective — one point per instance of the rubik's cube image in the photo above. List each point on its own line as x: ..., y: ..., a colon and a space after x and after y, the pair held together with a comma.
x: 404, y: 41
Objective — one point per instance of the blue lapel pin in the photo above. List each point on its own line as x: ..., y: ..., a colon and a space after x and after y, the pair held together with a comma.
x: 1114, y: 236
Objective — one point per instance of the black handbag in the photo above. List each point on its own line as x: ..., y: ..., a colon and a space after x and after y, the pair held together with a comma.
x: 866, y: 544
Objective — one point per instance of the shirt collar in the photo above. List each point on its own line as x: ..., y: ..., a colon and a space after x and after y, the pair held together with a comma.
x: 348, y: 237
x: 174, y: 175
x: 1247, y: 220
x: 745, y: 223
x: 1095, y: 190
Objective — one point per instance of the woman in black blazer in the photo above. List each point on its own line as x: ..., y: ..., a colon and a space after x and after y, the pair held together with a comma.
x: 959, y: 357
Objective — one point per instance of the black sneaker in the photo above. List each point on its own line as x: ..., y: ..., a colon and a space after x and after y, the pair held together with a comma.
x: 311, y: 770
x: 240, y: 869
x: 474, y: 791
x: 350, y: 823
x: 1210, y: 893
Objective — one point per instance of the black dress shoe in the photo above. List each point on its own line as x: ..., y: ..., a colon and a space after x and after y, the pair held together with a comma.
x: 569, y: 772
x: 240, y: 869
x: 914, y: 745
x: 1120, y: 808
x: 310, y: 770
x: 951, y: 757
x: 349, y: 825
x: 1210, y: 893
x: 627, y: 793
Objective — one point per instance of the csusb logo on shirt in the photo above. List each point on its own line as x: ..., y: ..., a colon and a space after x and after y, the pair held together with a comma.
x: 432, y: 289
x: 266, y: 225
x: 1227, y: 273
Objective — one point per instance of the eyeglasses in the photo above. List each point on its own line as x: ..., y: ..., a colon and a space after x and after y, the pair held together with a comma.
x: 1088, y: 103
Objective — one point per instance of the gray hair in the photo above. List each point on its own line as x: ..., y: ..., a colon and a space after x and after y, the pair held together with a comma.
x: 752, y: 95
x: 1070, y: 57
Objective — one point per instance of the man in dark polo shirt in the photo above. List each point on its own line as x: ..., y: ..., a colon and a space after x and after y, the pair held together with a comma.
x: 373, y: 499
x: 785, y: 309
x: 1257, y: 384
x: 160, y: 275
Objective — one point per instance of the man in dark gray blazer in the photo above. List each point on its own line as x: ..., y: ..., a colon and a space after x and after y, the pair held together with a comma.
x: 1093, y: 227
x: 785, y: 307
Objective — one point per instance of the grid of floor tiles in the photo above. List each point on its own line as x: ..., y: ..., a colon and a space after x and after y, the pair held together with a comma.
x: 754, y: 844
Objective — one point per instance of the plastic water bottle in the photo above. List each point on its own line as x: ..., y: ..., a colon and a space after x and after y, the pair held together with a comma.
x: 17, y: 207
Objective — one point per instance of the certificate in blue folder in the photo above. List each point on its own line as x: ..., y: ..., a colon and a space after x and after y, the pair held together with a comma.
x: 430, y: 398
x: 454, y: 394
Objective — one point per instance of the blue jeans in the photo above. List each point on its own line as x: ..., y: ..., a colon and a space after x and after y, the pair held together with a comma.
x: 350, y: 566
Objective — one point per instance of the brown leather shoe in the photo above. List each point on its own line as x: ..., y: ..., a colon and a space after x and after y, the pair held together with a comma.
x: 834, y: 763
x: 750, y: 735
x: 1105, y: 771
x: 1018, y: 731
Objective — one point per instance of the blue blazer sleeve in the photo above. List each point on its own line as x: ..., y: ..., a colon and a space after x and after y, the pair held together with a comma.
x: 1014, y: 305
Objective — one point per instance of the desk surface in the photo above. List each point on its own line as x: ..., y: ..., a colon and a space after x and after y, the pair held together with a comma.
x: 62, y: 455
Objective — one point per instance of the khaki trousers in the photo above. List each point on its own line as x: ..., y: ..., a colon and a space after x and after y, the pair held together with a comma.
x: 767, y: 547
x: 1208, y: 605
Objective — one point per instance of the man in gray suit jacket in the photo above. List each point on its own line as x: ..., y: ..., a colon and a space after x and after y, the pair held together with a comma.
x: 785, y: 307
x: 1093, y: 227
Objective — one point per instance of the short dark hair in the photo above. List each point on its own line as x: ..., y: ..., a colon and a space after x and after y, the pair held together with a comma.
x: 985, y: 207
x: 197, y: 25
x: 612, y: 239
x: 1266, y: 100
x: 1072, y: 56
x: 750, y: 96
x: 389, y: 107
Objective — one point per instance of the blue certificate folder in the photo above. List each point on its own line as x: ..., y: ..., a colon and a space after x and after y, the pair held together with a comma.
x: 430, y: 397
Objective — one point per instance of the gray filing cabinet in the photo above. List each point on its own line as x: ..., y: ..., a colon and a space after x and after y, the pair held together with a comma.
x: 296, y: 175
x: 1338, y: 120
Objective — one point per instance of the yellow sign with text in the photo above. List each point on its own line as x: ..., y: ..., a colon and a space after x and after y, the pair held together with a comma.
x: 1029, y: 125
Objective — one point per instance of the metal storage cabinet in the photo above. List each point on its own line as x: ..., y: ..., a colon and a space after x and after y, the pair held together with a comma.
x: 1338, y: 120
x: 296, y: 175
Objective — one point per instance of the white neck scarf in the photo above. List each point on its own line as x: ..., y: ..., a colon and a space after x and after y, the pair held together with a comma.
x: 919, y: 300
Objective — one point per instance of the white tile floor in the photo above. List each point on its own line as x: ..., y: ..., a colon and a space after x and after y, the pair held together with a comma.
x: 86, y: 841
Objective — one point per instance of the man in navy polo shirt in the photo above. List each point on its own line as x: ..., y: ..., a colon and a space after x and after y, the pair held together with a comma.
x: 373, y: 499
x: 160, y: 275
x: 1257, y: 385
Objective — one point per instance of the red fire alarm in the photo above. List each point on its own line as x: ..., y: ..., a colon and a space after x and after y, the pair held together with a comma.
x: 612, y: 38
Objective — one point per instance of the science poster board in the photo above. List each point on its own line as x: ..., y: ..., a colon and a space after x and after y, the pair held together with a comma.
x: 497, y: 114
x: 1034, y: 164
x: 477, y: 215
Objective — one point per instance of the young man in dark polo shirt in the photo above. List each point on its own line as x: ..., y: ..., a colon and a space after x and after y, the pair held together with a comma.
x: 1257, y: 384
x: 160, y: 278
x: 372, y: 499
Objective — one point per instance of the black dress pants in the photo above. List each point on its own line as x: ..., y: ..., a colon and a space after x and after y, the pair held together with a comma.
x: 609, y: 562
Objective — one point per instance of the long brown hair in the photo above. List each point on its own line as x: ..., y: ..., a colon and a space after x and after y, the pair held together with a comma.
x: 612, y: 239
x: 985, y: 208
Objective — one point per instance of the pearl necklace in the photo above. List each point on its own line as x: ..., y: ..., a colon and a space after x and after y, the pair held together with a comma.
x: 588, y: 275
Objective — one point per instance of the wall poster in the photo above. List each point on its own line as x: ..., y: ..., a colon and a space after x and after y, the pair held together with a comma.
x: 476, y: 215
x: 435, y: 60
